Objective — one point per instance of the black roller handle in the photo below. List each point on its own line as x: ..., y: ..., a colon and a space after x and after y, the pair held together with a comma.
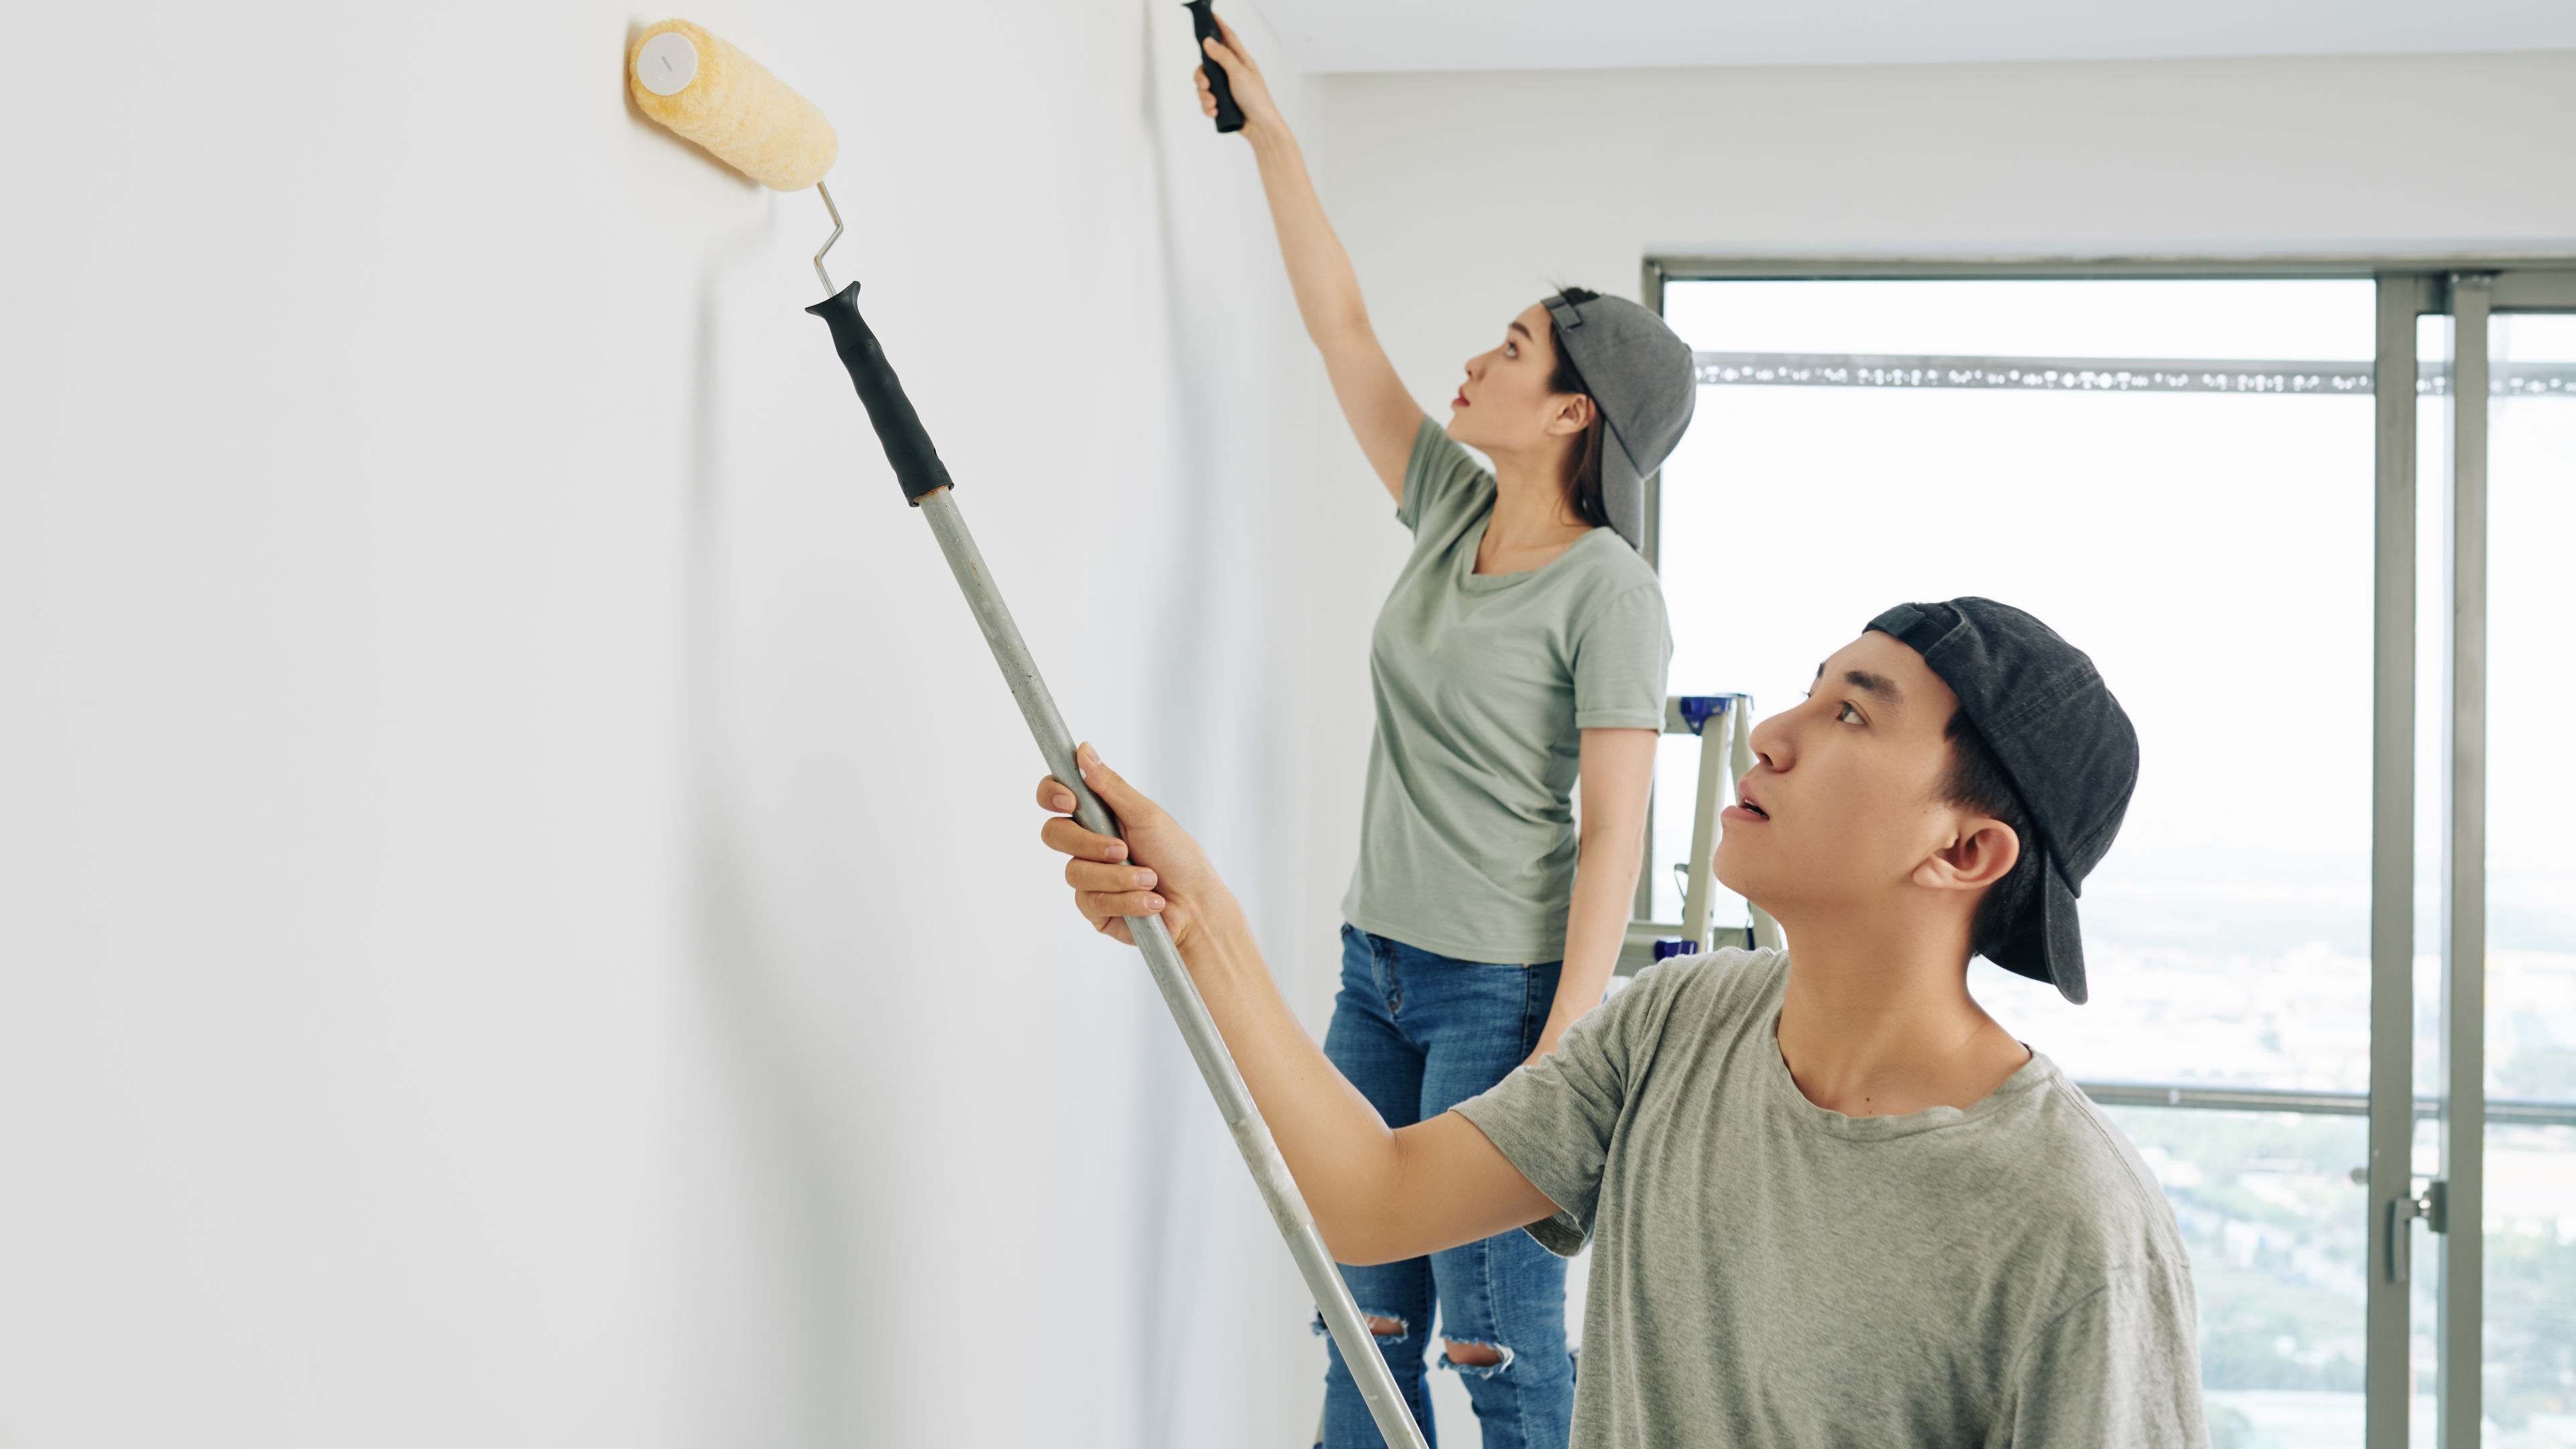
x: 907, y: 444
x: 1229, y: 116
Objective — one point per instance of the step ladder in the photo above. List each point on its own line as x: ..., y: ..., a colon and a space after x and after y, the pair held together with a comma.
x: 1724, y: 724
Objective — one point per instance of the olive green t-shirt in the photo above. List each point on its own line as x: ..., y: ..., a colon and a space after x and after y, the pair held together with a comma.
x: 1767, y: 1272
x: 1483, y: 685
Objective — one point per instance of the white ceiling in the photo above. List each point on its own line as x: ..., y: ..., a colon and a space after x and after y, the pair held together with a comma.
x: 1379, y: 35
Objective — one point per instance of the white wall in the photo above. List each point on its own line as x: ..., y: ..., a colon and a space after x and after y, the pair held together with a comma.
x: 520, y: 920
x: 1491, y: 184
x: 1463, y: 196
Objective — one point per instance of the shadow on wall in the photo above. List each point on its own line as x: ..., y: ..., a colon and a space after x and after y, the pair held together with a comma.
x: 1164, y: 1244
x: 796, y: 1376
x: 796, y: 1205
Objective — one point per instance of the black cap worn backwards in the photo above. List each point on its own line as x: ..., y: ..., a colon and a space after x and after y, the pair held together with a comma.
x: 2059, y: 734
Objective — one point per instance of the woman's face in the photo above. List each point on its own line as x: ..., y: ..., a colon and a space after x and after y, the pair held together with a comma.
x: 1506, y: 405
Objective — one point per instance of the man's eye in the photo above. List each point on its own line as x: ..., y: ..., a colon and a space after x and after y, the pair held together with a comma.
x: 1847, y: 714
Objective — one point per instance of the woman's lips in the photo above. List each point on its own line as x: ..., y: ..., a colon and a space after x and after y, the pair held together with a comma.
x: 1739, y: 814
x: 1460, y: 400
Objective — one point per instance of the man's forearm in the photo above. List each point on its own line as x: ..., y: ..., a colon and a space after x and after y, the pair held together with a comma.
x: 1376, y: 1195
x: 1343, y: 1155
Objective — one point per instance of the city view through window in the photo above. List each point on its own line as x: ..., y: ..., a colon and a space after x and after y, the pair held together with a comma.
x: 2530, y: 1345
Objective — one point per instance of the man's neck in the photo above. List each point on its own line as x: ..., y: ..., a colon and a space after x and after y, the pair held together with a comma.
x: 1877, y: 1020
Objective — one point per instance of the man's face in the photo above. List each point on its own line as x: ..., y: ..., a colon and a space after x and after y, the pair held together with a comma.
x: 1843, y: 802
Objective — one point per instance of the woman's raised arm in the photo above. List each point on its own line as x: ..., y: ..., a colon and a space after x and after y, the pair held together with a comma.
x: 1383, y: 416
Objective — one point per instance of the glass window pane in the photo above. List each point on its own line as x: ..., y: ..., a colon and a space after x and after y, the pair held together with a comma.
x: 2432, y: 704
x: 2530, y: 1330
x: 2278, y: 1232
x: 2212, y: 552
x: 2530, y: 1338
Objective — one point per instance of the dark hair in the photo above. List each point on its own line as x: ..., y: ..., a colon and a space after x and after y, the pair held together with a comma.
x: 1977, y: 782
x: 1583, y: 463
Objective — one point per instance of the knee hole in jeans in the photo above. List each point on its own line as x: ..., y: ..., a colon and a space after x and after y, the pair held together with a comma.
x: 1467, y: 1353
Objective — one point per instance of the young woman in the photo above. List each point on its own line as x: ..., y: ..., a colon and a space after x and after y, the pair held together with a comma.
x: 1522, y: 650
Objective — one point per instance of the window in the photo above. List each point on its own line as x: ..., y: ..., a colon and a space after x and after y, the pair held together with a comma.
x: 2530, y: 1017
x: 2202, y: 482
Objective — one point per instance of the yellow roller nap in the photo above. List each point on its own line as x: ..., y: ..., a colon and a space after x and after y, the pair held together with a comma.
x: 729, y: 103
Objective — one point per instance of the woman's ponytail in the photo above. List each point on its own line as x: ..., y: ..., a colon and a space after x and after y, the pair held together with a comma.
x: 1583, y: 460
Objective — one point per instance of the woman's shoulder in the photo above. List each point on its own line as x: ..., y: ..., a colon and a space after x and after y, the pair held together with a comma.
x: 1606, y: 561
x: 1607, y: 578
x: 1441, y: 477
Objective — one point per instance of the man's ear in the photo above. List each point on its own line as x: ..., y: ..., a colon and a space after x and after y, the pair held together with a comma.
x: 1981, y: 854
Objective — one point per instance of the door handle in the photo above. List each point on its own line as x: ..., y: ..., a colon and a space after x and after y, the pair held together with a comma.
x: 2433, y: 1207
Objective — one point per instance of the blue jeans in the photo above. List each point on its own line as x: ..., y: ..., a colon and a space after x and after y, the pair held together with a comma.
x: 1418, y: 1033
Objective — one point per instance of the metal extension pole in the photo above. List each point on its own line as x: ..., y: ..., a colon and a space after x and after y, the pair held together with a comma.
x: 1216, y: 1066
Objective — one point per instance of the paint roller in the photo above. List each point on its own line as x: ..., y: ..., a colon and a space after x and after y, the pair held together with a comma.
x: 713, y: 94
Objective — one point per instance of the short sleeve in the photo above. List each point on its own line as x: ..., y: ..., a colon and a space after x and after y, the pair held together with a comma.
x: 1555, y: 1118
x: 1621, y: 653
x: 2120, y: 1368
x: 1439, y: 479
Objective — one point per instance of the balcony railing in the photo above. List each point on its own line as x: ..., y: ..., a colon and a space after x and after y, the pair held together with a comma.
x: 2501, y: 1112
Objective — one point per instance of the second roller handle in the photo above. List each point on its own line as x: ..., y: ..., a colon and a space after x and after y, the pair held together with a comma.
x: 1229, y: 116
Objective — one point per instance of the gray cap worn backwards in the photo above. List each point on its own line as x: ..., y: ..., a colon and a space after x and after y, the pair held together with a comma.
x: 2066, y: 743
x: 1639, y: 374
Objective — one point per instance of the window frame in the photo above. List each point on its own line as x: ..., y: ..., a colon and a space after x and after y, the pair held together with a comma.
x: 2470, y: 288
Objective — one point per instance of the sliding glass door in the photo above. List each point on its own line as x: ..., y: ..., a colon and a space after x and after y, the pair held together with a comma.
x: 2526, y: 1017
x: 2237, y: 493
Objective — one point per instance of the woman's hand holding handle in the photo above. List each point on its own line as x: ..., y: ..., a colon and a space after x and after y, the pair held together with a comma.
x: 1251, y: 92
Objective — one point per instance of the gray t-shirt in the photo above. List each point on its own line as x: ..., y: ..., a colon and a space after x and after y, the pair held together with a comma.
x: 1483, y: 684
x: 1768, y: 1272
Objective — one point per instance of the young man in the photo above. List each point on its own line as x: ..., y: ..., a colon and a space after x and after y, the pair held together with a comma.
x: 1831, y: 1202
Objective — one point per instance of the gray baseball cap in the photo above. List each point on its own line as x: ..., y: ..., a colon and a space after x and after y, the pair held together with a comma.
x: 1639, y: 375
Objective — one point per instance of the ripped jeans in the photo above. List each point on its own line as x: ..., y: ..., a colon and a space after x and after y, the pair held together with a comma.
x: 1418, y: 1032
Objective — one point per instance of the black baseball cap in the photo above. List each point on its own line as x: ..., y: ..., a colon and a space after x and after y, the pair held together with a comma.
x: 2066, y: 743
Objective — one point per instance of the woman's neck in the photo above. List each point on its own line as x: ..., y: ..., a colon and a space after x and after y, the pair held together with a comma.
x: 1531, y: 524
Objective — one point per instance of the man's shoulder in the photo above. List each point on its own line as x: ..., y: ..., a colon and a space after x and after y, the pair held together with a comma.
x: 2078, y: 1183
x: 1694, y: 1003
x: 1727, y: 980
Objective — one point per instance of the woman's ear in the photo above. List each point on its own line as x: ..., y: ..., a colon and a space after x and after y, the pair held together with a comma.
x: 1573, y: 413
